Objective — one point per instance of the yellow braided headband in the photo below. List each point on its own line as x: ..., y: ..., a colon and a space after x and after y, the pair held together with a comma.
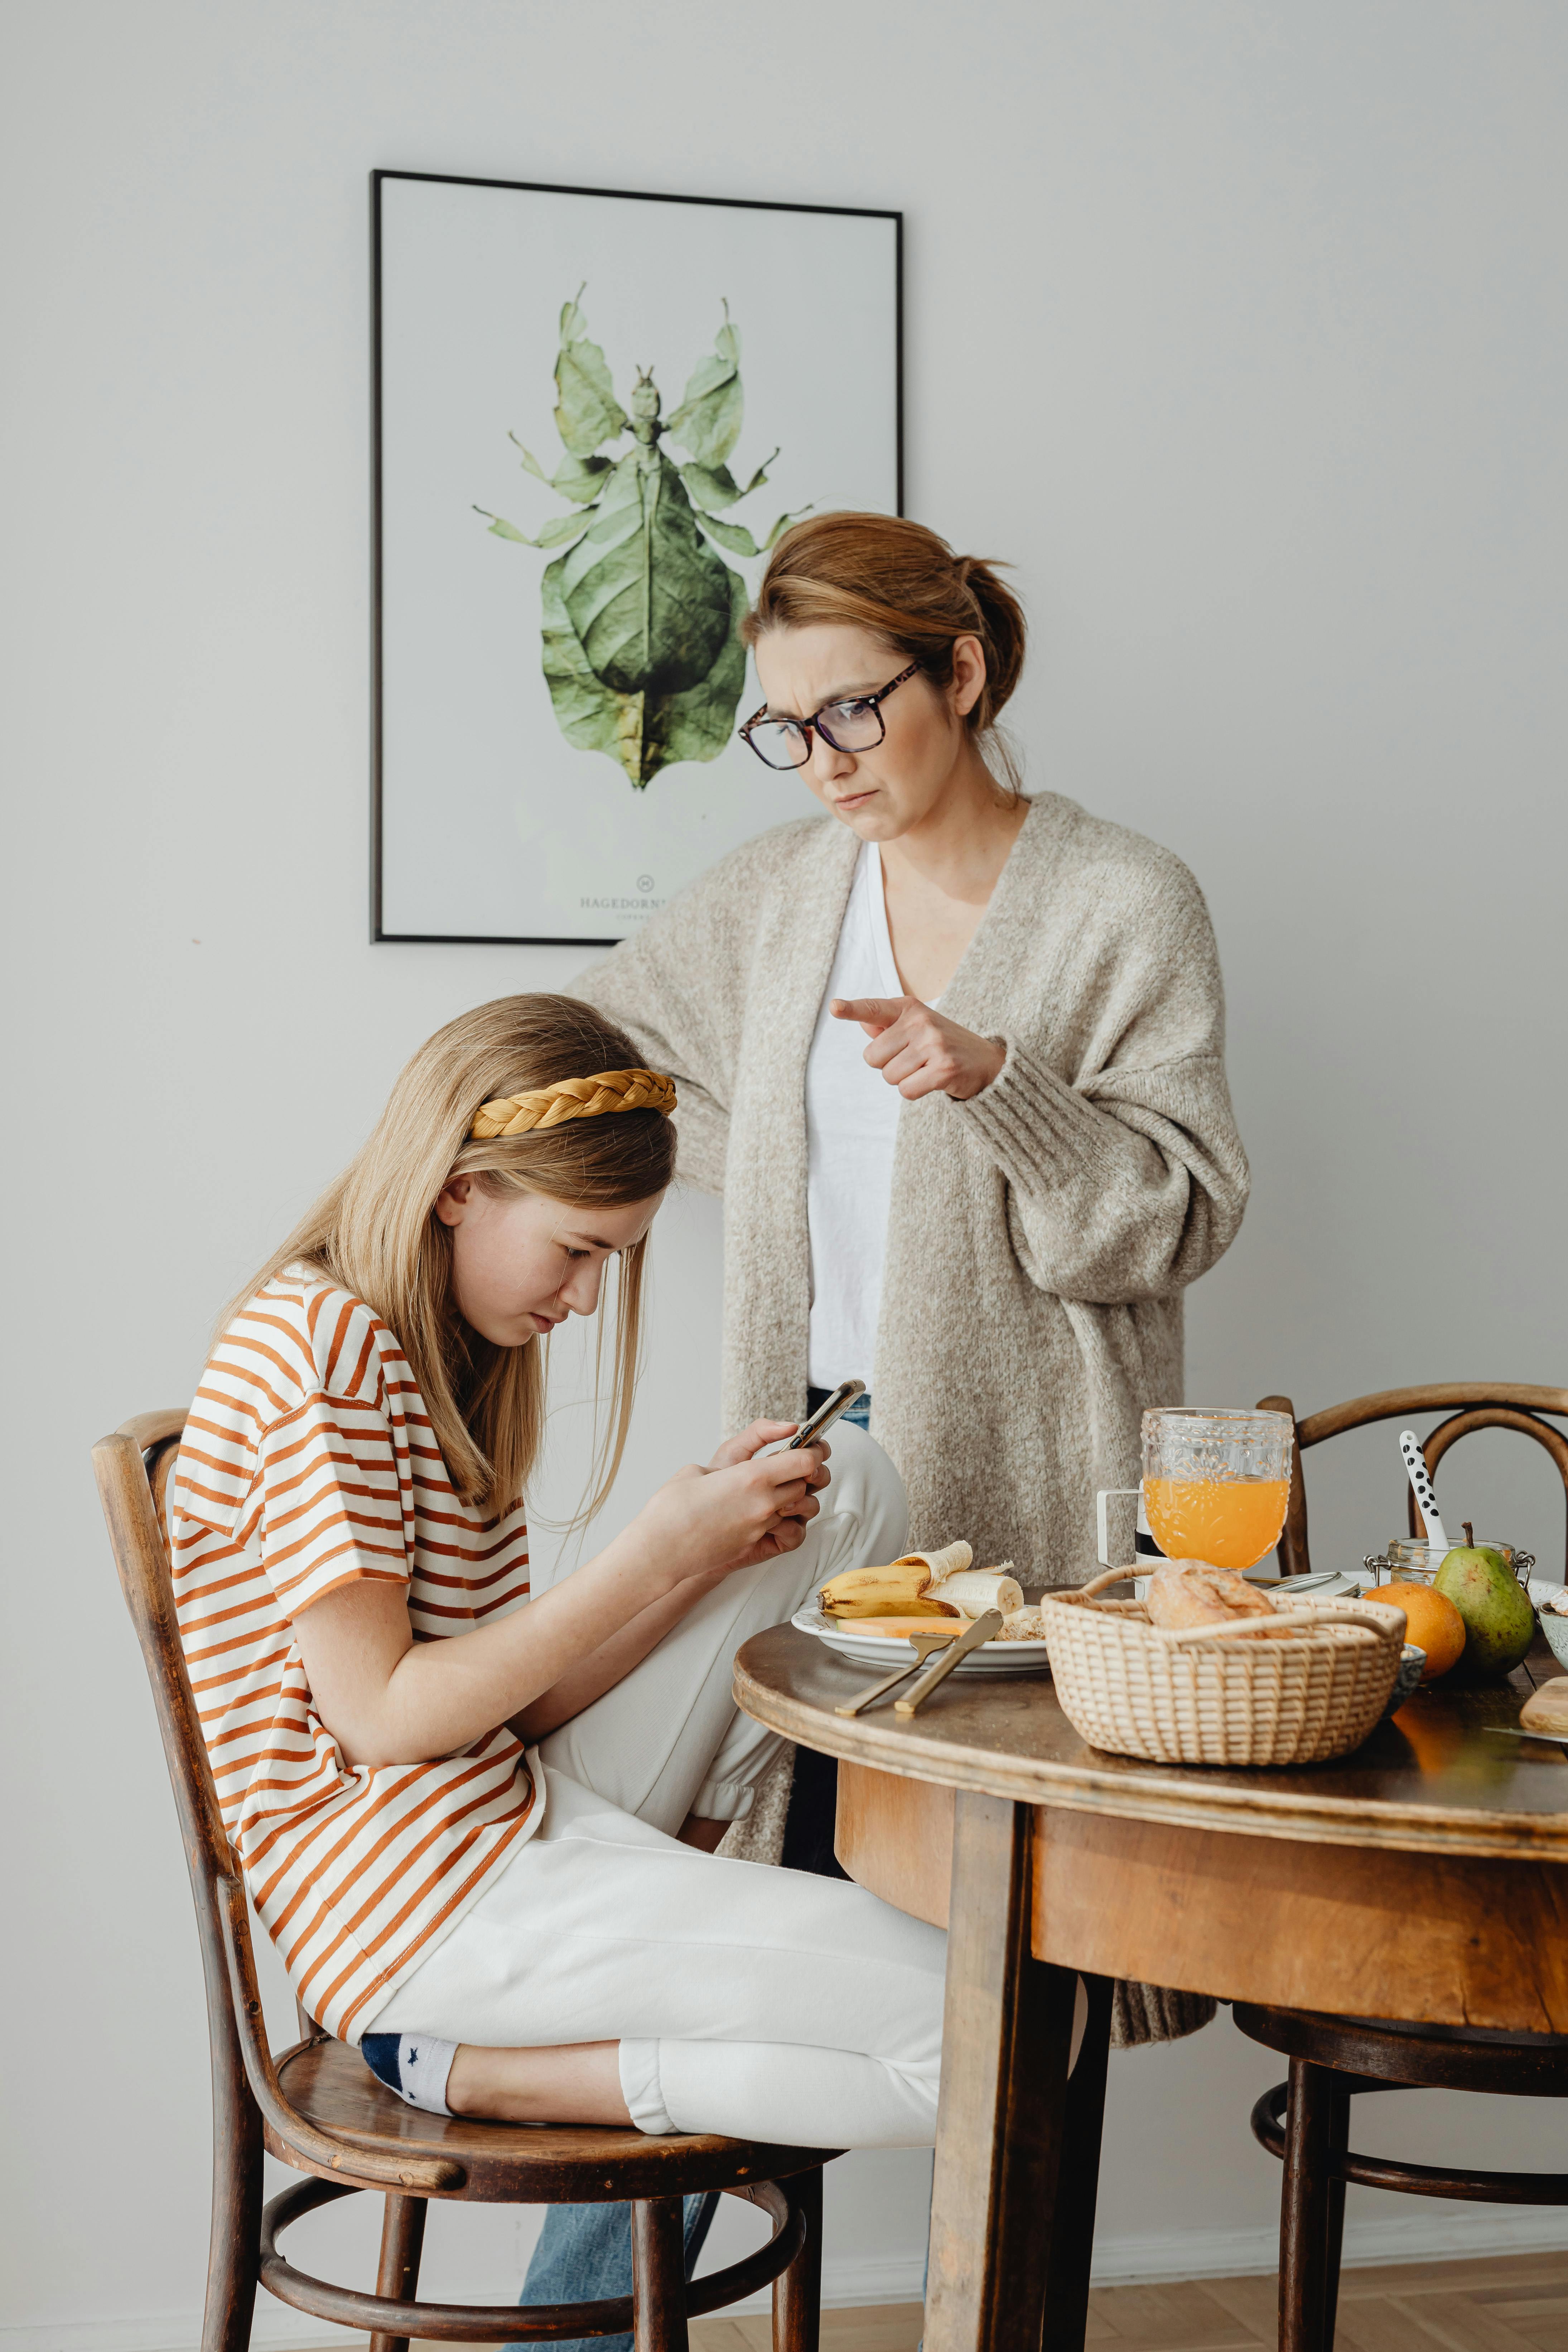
x: 606, y: 1090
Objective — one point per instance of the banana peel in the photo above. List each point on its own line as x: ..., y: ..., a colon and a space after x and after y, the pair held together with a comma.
x: 900, y: 1589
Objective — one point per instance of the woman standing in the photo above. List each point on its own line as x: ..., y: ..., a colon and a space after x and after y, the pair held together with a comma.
x: 952, y: 1055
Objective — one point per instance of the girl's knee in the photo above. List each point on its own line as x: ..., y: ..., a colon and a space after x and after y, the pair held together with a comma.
x: 865, y: 1481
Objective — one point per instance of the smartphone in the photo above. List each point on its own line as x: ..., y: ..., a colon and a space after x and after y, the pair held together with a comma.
x: 826, y: 1415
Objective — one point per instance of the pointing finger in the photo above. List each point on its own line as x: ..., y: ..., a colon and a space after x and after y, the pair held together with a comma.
x: 873, y: 1013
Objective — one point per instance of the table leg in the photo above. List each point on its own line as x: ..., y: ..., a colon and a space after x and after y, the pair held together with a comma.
x: 1077, y: 2187
x: 1007, y: 2039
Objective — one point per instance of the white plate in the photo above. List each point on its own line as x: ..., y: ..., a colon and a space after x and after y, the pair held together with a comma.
x: 1325, y: 1584
x: 889, y: 1650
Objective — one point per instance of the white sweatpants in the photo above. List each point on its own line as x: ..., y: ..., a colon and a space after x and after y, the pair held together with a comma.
x: 764, y: 2004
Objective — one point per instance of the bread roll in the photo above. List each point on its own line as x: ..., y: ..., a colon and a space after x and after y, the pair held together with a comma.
x: 1546, y: 1708
x: 1183, y: 1595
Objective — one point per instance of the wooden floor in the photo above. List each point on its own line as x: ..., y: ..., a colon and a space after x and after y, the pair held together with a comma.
x: 1508, y: 2303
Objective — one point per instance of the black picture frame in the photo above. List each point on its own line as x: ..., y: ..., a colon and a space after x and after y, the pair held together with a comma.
x: 379, y: 932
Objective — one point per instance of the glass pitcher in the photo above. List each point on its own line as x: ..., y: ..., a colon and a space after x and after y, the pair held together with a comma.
x: 1217, y: 1483
x: 1214, y: 1485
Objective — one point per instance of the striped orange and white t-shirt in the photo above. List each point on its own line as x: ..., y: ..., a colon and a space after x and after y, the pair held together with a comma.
x: 309, y: 1462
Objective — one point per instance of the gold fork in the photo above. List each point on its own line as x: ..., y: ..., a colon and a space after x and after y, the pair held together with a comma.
x: 924, y: 1644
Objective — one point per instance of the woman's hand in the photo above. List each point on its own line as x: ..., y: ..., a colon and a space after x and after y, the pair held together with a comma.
x: 918, y: 1050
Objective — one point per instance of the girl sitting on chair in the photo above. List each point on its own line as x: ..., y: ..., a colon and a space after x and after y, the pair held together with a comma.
x: 479, y: 1833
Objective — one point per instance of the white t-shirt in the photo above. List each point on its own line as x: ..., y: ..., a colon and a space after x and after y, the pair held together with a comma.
x: 851, y: 1126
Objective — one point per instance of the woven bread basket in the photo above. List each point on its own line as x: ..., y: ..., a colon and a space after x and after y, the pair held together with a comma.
x: 1221, y: 1695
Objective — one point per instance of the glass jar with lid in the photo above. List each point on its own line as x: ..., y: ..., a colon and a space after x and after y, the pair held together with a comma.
x: 1411, y: 1560
x: 1408, y: 1560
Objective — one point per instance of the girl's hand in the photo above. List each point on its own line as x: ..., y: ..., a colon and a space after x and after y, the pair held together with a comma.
x: 751, y: 1441
x: 919, y: 1051
x: 388, y: 1699
x: 707, y: 1522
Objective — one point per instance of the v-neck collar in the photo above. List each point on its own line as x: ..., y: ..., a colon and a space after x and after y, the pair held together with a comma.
x: 813, y: 920
x: 970, y: 967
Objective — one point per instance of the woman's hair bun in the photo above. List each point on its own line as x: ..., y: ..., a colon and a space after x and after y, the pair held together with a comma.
x: 904, y: 584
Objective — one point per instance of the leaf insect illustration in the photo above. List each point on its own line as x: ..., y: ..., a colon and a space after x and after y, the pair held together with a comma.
x: 640, y: 621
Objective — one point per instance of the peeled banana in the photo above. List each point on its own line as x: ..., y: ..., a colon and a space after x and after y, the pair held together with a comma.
x: 923, y: 1584
x: 976, y: 1590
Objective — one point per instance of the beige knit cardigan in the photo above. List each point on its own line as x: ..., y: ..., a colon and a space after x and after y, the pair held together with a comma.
x: 1041, y: 1235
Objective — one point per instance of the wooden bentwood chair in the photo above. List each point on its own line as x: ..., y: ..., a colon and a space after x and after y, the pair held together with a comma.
x: 317, y: 2108
x: 1306, y: 2121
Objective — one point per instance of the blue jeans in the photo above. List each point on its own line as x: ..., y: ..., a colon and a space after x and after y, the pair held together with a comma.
x: 585, y: 2255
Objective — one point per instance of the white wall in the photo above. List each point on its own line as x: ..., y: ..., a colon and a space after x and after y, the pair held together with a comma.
x: 1240, y: 328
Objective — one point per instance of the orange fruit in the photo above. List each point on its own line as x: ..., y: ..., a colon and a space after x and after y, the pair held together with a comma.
x: 1431, y: 1620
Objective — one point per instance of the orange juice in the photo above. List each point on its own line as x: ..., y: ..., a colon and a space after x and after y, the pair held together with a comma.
x: 1229, y: 1522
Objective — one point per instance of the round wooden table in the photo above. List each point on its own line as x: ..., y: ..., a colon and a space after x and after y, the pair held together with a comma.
x: 1429, y: 1870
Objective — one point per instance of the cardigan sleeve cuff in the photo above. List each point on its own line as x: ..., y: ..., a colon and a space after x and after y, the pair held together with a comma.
x: 1038, y: 1129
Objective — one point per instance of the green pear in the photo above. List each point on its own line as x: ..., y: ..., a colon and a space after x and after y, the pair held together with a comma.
x: 1500, y: 1622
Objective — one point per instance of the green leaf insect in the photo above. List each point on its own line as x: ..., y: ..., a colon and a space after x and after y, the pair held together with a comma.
x: 641, y: 617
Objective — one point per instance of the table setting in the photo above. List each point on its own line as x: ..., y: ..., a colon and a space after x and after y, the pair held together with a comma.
x: 1198, y: 1651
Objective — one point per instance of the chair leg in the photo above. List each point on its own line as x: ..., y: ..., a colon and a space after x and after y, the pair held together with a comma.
x: 1304, y: 2208
x: 1339, y: 2141
x: 402, y: 2243
x: 234, y: 2246
x: 1078, y: 2181
x: 658, y: 2275
x: 797, y: 2292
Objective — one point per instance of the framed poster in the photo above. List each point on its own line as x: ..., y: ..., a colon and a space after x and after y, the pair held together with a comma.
x: 593, y: 413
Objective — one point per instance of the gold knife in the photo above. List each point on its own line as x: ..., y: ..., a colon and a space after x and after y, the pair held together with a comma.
x: 981, y: 1631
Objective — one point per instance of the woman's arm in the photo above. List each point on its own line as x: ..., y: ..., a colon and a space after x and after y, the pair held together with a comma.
x: 1125, y: 1194
x: 387, y: 1699
x: 1130, y: 1181
x: 651, y: 986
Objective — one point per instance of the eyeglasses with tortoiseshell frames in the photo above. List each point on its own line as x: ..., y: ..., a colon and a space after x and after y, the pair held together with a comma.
x: 854, y: 723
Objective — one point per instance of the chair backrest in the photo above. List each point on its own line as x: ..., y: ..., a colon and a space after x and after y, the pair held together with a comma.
x: 132, y: 1470
x: 1470, y: 1405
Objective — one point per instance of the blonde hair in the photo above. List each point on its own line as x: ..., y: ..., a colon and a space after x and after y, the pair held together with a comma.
x: 899, y: 580
x: 374, y: 1231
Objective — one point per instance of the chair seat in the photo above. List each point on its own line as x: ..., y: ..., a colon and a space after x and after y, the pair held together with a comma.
x: 531, y: 2164
x: 1392, y: 2051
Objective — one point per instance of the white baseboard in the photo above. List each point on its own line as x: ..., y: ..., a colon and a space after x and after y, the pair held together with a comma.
x: 1443, y: 2231
x: 1447, y: 2232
